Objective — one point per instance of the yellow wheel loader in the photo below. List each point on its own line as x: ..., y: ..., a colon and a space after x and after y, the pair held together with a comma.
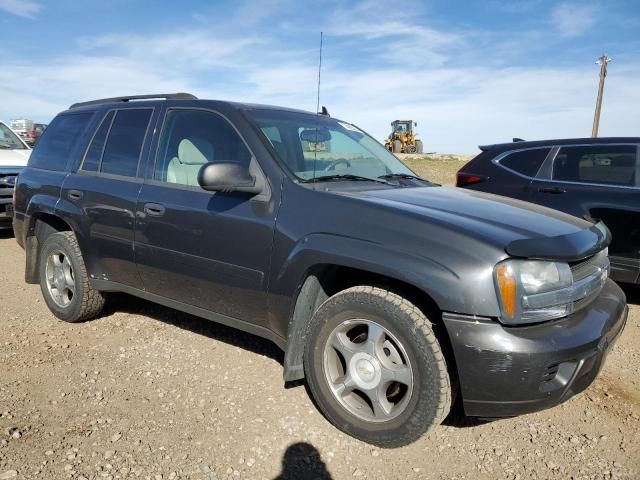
x: 403, y: 138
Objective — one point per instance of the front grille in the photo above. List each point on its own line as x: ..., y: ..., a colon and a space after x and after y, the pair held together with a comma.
x: 7, y: 182
x: 550, y: 372
x: 590, y: 267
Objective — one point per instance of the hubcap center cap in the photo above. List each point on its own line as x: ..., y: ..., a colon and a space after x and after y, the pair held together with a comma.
x: 365, y: 370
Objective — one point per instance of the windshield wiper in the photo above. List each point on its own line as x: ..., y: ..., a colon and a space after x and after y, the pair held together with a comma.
x: 403, y: 175
x: 345, y: 176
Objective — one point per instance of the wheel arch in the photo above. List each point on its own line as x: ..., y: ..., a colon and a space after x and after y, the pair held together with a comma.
x: 321, y: 281
x: 41, y: 225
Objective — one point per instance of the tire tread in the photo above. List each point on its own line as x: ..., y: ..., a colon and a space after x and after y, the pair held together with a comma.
x: 384, y: 299
x: 92, y: 300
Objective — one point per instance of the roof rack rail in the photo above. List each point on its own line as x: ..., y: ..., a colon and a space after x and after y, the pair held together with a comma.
x: 166, y: 96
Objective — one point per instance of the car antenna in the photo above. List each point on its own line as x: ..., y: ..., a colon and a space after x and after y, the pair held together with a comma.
x: 319, y: 75
x: 315, y: 152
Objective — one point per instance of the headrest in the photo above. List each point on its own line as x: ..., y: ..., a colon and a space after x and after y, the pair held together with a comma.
x: 190, y: 154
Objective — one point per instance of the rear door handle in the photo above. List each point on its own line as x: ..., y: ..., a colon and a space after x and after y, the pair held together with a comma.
x: 75, y: 195
x: 154, y: 209
x: 555, y: 190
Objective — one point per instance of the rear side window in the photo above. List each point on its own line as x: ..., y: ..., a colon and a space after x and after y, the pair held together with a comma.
x: 603, y: 164
x: 124, y: 144
x: 526, y: 162
x: 58, y: 141
x: 94, y: 153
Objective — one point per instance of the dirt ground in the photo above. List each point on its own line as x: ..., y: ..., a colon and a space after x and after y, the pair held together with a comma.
x: 147, y: 392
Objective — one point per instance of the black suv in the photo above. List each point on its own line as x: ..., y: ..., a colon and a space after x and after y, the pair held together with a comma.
x: 388, y: 294
x: 597, y: 179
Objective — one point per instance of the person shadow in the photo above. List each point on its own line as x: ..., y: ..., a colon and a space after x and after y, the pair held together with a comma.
x: 302, y: 461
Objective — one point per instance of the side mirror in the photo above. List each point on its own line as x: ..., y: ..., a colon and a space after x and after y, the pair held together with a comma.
x: 227, y: 177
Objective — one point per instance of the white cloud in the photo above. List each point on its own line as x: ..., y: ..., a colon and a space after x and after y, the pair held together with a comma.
x: 458, y: 105
x: 405, y: 40
x: 22, y: 8
x: 573, y: 19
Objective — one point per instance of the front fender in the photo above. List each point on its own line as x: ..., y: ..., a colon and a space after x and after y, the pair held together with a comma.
x: 453, y: 279
x: 454, y: 286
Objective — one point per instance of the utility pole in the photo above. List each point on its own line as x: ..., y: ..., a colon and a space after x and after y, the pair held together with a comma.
x: 602, y: 61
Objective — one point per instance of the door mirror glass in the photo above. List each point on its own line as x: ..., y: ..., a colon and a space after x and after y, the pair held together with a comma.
x: 227, y: 177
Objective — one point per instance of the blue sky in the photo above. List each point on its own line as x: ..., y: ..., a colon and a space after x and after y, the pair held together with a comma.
x: 469, y: 73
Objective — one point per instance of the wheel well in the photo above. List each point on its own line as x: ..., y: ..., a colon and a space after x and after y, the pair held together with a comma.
x: 55, y: 223
x: 323, y: 281
x: 43, y: 225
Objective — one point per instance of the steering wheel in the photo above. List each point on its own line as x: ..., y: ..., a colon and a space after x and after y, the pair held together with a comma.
x: 332, y: 165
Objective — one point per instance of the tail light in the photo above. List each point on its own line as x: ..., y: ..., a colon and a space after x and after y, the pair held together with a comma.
x: 32, y: 134
x: 466, y: 179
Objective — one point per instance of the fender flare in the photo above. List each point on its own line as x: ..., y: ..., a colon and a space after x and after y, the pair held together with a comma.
x: 296, y: 279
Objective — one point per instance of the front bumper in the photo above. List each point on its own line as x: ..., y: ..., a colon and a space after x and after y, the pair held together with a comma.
x: 507, y: 371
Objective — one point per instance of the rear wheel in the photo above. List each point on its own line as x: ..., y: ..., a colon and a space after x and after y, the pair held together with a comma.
x: 419, y: 146
x: 397, y: 146
x: 375, y: 367
x: 64, y: 282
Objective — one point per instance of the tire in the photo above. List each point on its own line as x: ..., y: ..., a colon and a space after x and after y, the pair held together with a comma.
x: 397, y: 146
x: 69, y: 295
x: 417, y: 405
x: 419, y: 146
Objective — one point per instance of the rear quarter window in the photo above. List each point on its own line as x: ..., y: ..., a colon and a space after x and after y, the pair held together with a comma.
x: 526, y: 162
x: 59, y: 140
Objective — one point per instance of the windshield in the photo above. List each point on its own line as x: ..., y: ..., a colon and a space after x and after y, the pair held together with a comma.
x: 402, y: 127
x: 9, y: 140
x: 315, y: 146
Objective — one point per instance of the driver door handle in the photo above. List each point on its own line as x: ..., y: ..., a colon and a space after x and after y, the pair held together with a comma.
x: 74, y: 195
x: 154, y: 209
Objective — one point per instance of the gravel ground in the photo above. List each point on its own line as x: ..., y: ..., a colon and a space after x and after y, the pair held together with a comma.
x: 147, y: 392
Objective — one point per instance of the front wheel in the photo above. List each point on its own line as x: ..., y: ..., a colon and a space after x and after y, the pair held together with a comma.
x: 64, y: 281
x: 375, y: 367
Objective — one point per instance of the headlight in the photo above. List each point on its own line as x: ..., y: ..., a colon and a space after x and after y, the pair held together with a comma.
x: 533, y: 291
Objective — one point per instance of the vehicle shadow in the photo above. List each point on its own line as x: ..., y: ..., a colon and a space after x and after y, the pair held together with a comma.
x: 6, y: 233
x: 301, y: 461
x: 458, y: 419
x: 121, y: 302
x: 632, y: 292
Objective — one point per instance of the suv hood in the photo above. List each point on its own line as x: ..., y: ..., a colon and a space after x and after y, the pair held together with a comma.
x: 14, y: 158
x: 523, y: 229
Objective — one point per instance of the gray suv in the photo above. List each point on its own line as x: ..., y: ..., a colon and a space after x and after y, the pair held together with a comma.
x: 389, y: 294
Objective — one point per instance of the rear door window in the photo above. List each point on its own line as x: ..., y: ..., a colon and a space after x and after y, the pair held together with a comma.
x: 526, y: 162
x: 122, y: 151
x: 601, y: 164
x: 93, y: 156
x: 58, y: 141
